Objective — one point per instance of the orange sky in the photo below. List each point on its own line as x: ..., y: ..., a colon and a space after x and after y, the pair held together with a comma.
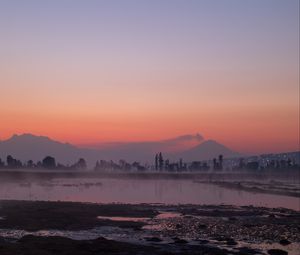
x: 194, y: 68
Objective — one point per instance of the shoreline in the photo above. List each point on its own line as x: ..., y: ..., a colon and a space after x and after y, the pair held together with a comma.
x: 260, y: 188
x: 176, y: 229
x: 269, y: 174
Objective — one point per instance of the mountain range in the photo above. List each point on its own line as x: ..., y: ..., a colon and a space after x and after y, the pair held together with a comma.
x: 187, y: 147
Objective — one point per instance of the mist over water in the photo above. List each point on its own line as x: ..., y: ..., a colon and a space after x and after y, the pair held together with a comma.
x: 135, y: 190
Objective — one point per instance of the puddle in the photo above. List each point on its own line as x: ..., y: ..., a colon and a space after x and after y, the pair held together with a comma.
x: 123, y: 219
x: 161, y: 216
x: 159, y: 222
x: 114, y: 233
x: 167, y: 215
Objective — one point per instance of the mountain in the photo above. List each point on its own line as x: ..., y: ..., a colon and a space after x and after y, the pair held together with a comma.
x: 145, y: 150
x: 208, y: 149
x: 167, y: 145
x: 28, y: 146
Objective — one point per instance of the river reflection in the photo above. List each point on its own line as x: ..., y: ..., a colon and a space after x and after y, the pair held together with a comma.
x: 113, y: 190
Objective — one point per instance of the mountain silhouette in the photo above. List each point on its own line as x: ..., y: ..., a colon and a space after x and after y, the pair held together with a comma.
x: 206, y: 150
x: 28, y: 146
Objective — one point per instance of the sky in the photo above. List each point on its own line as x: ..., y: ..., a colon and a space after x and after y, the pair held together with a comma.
x: 92, y: 71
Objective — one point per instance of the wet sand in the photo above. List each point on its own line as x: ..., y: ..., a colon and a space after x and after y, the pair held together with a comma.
x: 28, y: 227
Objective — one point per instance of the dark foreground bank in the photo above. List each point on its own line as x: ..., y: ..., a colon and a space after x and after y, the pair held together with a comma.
x: 28, y: 227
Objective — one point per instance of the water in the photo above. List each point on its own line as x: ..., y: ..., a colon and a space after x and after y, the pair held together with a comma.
x: 137, y: 190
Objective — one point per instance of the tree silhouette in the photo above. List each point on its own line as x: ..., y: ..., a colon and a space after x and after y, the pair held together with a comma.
x: 156, y: 162
x: 215, y: 164
x: 221, y: 162
x: 1, y: 163
x: 167, y: 164
x: 80, y: 165
x: 97, y: 166
x: 62, y: 166
x: 30, y: 164
x: 180, y: 164
x: 241, y: 163
x: 12, y: 162
x: 49, y: 162
x: 160, y: 161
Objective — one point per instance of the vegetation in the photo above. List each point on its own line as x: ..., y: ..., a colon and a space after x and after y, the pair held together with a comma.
x: 48, y: 162
x: 257, y: 163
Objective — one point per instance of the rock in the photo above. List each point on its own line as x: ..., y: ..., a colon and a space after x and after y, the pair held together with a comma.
x: 249, y: 225
x: 2, y: 240
x: 203, y: 241
x: 248, y: 251
x: 232, y: 219
x: 220, y: 238
x: 202, y: 226
x: 231, y: 241
x: 153, y: 239
x: 178, y: 226
x: 284, y: 242
x: 277, y: 252
x: 179, y: 241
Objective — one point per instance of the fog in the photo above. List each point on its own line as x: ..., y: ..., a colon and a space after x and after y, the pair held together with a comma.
x: 136, y: 188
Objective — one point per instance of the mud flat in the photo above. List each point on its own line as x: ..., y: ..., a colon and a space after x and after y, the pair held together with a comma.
x: 271, y: 187
x: 40, y: 227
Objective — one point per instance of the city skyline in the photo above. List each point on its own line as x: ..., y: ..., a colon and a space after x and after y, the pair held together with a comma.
x: 131, y: 71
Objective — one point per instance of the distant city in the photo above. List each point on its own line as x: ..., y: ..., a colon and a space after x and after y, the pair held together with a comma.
x: 281, y: 161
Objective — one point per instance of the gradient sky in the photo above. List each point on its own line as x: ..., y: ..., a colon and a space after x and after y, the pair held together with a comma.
x: 99, y: 71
